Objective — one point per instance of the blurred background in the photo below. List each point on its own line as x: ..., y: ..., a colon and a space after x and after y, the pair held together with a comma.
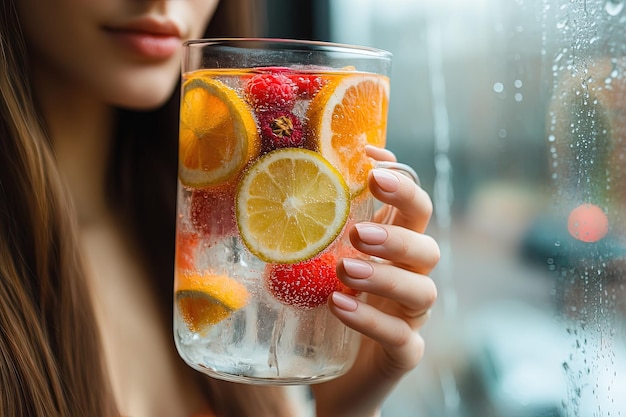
x: 513, y: 112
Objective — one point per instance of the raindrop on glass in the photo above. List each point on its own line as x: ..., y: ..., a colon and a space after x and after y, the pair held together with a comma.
x: 614, y: 7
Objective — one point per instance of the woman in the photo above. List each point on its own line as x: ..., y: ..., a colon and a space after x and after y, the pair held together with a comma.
x: 87, y: 190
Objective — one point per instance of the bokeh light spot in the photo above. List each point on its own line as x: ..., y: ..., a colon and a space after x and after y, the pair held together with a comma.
x: 588, y: 223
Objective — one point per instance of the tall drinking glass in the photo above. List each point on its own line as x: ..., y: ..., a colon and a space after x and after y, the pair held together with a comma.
x: 272, y: 172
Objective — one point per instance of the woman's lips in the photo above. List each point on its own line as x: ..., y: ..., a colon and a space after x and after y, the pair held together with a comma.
x: 148, y: 38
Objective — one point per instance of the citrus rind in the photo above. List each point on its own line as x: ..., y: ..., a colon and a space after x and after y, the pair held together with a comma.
x: 206, y: 299
x: 213, y: 111
x: 327, y: 113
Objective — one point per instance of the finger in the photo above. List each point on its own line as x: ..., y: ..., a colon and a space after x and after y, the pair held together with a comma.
x: 404, y: 345
x: 379, y: 154
x: 413, y: 204
x: 415, y: 293
x: 417, y: 322
x: 403, y: 247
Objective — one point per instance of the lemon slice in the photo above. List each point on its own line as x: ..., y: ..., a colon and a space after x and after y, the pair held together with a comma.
x: 218, y: 134
x: 291, y: 204
x: 349, y: 112
x: 206, y: 299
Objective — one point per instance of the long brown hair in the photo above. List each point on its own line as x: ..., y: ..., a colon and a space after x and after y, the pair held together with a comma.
x: 50, y: 349
x: 50, y: 354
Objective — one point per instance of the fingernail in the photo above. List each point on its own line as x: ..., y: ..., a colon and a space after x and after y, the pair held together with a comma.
x: 386, y: 180
x: 357, y: 268
x: 344, y: 302
x: 371, y: 234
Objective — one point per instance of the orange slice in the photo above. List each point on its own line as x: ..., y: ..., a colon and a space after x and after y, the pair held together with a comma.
x: 349, y: 112
x: 291, y: 204
x: 206, y: 299
x: 218, y: 134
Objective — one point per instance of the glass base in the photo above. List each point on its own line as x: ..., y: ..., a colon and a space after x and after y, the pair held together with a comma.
x: 266, y: 380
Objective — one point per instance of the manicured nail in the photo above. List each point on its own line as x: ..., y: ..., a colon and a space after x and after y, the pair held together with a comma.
x: 371, y: 234
x: 386, y: 180
x: 344, y: 302
x: 357, y: 268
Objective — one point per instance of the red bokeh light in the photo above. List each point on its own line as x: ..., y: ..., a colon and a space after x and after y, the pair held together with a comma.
x: 588, y: 223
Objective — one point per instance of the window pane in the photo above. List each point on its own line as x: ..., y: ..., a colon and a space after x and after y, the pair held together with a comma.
x: 514, y: 115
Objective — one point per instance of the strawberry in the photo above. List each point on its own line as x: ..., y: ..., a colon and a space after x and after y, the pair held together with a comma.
x: 305, y: 285
x: 212, y: 212
x: 271, y: 91
x: 280, y: 129
x: 186, y: 244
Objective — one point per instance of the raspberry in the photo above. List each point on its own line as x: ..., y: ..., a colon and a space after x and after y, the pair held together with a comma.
x: 273, y: 69
x: 308, y: 84
x: 212, y: 212
x: 280, y: 129
x: 305, y: 285
x: 271, y: 91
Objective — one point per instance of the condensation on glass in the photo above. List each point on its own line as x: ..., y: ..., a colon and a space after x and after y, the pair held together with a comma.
x: 513, y: 112
x: 586, y: 131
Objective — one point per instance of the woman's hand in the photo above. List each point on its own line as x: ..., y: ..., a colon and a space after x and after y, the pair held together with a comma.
x: 399, y: 296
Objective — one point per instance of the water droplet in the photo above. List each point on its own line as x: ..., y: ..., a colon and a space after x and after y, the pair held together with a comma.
x: 614, y: 7
x: 551, y: 138
x: 518, y: 97
x: 518, y: 83
x: 558, y: 57
x: 498, y: 87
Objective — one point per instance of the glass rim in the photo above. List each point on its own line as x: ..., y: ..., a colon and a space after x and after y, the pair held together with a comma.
x: 290, y: 45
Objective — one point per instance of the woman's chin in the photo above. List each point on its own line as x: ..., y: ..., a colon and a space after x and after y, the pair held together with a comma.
x: 143, y: 102
x: 140, y: 93
x: 143, y: 106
